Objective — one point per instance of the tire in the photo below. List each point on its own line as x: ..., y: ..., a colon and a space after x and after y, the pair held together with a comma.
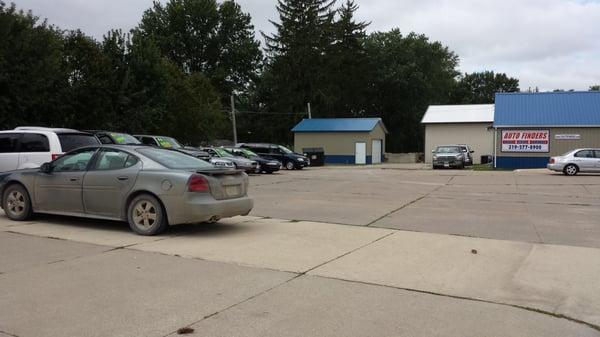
x: 16, y: 203
x: 146, y: 215
x: 290, y: 165
x: 571, y: 170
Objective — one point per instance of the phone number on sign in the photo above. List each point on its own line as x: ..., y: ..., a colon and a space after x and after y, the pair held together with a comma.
x: 524, y: 147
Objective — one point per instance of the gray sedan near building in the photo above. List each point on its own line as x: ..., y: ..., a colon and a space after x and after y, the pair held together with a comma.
x: 148, y: 187
x: 575, y: 161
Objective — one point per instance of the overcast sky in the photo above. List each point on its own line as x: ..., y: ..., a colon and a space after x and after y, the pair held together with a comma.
x: 545, y: 43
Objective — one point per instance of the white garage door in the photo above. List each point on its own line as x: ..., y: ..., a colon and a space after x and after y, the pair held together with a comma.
x: 360, y: 154
x: 376, y: 153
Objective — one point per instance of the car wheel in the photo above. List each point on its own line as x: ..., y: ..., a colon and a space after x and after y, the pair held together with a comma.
x: 571, y: 170
x: 146, y: 216
x: 289, y: 165
x: 16, y: 203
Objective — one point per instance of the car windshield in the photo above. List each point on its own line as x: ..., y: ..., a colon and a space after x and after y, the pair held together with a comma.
x: 71, y: 141
x: 248, y: 152
x: 174, y: 160
x: 284, y: 149
x: 123, y: 138
x: 223, y: 153
x: 448, y: 149
x: 168, y: 142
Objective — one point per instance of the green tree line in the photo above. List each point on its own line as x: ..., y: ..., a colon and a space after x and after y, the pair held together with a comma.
x: 173, y: 74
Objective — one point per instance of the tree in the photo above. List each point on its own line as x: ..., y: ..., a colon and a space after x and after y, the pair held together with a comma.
x: 296, y: 70
x: 31, y: 71
x: 408, y: 74
x: 348, y: 64
x: 595, y: 87
x: 202, y: 36
x: 481, y: 87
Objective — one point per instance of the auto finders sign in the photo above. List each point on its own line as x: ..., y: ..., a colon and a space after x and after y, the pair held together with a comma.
x: 525, y: 140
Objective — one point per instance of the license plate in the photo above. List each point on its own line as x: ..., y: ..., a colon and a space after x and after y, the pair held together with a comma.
x: 232, y: 190
x: 446, y: 164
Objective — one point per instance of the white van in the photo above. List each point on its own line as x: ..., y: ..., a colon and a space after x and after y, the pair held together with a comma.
x: 30, y: 147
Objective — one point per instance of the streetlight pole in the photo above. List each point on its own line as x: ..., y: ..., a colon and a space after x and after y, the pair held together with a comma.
x: 233, y: 121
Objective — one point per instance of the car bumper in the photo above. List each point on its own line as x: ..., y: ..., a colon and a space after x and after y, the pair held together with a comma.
x: 558, y: 167
x: 448, y: 163
x: 270, y: 167
x: 203, y: 207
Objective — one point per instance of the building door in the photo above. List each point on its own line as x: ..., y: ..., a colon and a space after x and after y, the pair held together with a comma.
x: 360, y: 153
x: 376, y: 151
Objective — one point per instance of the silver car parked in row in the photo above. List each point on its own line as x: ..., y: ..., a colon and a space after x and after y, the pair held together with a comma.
x: 148, y: 187
x: 575, y: 161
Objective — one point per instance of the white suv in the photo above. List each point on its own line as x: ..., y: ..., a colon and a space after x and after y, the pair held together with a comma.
x: 30, y: 147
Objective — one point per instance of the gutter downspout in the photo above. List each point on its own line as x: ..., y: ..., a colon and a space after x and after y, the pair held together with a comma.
x: 495, y: 144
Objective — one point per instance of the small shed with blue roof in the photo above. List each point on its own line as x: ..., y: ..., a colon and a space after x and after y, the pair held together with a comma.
x: 532, y: 127
x: 343, y: 140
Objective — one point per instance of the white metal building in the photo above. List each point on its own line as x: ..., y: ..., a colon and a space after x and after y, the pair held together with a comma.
x: 460, y: 124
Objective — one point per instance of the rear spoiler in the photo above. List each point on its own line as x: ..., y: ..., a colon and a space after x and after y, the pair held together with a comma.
x: 218, y: 172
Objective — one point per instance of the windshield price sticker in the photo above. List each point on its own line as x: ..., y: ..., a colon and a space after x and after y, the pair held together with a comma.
x: 525, y: 140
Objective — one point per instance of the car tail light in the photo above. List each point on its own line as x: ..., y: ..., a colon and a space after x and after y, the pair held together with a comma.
x: 56, y: 155
x: 552, y: 160
x: 198, y: 183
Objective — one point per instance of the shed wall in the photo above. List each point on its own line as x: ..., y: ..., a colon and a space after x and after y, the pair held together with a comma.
x: 477, y: 135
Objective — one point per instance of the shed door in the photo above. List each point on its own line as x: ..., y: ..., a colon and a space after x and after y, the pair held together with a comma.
x: 376, y: 151
x: 360, y: 153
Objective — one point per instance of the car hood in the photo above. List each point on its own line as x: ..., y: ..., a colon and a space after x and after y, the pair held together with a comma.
x: 239, y: 160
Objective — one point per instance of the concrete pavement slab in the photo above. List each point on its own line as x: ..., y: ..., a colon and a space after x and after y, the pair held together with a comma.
x: 267, y: 243
x: 124, y: 293
x: 574, y: 225
x: 20, y: 251
x: 99, y: 232
x: 499, y: 271
x: 478, y: 218
x: 313, y: 306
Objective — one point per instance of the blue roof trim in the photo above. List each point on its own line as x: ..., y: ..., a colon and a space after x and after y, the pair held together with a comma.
x: 338, y: 125
x: 571, y: 108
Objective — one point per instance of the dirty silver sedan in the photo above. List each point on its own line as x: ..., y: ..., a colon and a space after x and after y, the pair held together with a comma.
x: 150, y: 188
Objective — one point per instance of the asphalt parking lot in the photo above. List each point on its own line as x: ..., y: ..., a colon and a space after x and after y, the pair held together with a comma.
x: 335, y: 251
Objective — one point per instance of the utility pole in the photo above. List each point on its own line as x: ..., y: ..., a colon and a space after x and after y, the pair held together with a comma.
x: 233, y: 121
x: 309, y: 114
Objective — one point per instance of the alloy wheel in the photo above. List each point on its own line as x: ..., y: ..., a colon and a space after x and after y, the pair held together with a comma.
x: 144, y: 214
x: 15, y: 203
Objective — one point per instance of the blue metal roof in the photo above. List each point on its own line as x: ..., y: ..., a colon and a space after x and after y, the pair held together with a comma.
x: 338, y: 125
x: 573, y: 108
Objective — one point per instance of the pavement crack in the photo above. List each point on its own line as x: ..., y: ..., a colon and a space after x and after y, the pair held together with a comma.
x: 522, y: 307
x: 239, y: 303
x: 407, y: 204
x: 8, y: 333
x: 348, y: 252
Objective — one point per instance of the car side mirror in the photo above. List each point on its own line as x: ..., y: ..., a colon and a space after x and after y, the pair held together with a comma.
x: 46, y: 168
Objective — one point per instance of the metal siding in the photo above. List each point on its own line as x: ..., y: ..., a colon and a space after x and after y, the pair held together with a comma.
x: 590, y: 137
x: 466, y: 113
x: 337, y: 125
x: 547, y: 109
x: 476, y: 135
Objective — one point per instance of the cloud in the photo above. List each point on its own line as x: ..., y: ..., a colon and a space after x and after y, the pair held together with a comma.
x: 546, y: 43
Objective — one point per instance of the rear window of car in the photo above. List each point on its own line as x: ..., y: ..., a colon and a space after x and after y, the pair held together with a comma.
x: 123, y: 138
x: 8, y: 142
x: 174, y: 160
x: 34, y: 142
x: 71, y: 141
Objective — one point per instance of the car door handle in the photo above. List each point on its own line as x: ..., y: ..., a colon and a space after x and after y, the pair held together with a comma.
x: 73, y: 179
x: 122, y: 178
